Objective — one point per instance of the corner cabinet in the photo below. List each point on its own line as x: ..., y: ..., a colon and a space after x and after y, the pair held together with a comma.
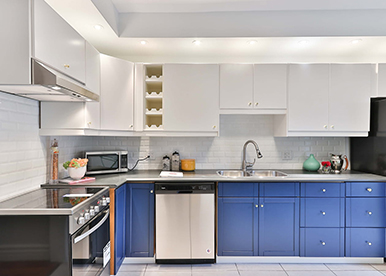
x: 191, y: 97
x: 327, y: 100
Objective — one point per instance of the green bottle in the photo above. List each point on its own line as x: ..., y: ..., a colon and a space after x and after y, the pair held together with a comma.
x: 311, y: 164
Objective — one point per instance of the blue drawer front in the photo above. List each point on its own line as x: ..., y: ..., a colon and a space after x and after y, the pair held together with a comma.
x: 282, y: 189
x: 238, y: 189
x: 322, y: 189
x: 365, y: 242
x: 321, y: 242
x: 237, y: 226
x: 322, y: 212
x: 365, y: 212
x: 365, y: 189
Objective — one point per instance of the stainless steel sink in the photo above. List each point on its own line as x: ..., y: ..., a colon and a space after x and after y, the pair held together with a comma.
x: 260, y: 173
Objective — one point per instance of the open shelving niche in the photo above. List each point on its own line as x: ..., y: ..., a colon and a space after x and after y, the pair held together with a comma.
x: 153, y: 97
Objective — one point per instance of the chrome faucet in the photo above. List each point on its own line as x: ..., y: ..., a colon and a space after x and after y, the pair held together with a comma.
x: 246, y: 164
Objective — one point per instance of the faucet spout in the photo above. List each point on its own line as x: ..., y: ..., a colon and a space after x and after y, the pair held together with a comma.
x: 247, y: 164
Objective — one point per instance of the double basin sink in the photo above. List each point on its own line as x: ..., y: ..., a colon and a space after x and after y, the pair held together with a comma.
x: 259, y: 173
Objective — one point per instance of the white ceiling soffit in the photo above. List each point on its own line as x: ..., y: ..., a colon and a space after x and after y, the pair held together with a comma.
x: 178, y: 6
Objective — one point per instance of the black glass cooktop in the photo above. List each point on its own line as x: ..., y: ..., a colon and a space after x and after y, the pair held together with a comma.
x: 51, y: 198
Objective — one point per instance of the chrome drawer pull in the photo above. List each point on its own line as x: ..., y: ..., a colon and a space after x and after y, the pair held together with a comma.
x: 369, y: 243
x: 323, y: 243
x: 370, y: 213
x: 323, y: 213
x: 324, y: 190
x: 369, y: 190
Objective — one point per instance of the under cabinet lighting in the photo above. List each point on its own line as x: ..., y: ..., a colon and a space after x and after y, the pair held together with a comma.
x: 98, y: 27
x: 55, y: 87
x: 196, y: 42
x: 251, y: 42
x: 144, y: 42
x: 356, y: 41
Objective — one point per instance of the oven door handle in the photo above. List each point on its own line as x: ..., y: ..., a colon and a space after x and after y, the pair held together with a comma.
x: 89, y: 232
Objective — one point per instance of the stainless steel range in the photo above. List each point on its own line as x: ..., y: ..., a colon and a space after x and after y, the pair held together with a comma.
x: 61, y: 231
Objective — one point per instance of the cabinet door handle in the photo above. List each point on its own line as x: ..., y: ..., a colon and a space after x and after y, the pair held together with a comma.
x: 323, y: 213
x: 151, y: 191
x: 369, y: 190
x: 66, y: 66
x: 325, y: 126
x: 370, y: 213
x: 332, y: 126
x: 261, y: 205
x: 324, y: 190
x: 256, y: 104
x: 130, y: 126
x: 214, y: 127
x: 323, y: 243
x: 257, y: 206
x: 369, y: 243
x: 249, y: 104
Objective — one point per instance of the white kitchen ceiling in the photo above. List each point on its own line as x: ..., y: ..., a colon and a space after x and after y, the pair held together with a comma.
x: 171, y: 6
x: 83, y: 16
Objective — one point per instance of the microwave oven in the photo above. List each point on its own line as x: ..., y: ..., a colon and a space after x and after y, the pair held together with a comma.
x: 100, y: 162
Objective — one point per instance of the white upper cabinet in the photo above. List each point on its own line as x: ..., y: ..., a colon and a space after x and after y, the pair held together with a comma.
x: 56, y: 43
x: 253, y: 89
x: 308, y: 87
x: 93, y: 82
x: 117, y: 86
x: 327, y: 100
x: 270, y: 89
x: 349, y: 97
x: 381, y: 80
x: 236, y: 86
x: 191, y: 97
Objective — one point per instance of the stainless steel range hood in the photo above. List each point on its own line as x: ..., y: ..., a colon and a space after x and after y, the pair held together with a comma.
x: 49, y: 85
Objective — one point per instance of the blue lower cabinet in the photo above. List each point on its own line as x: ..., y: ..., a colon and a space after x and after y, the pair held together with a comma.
x: 279, y: 189
x: 365, y: 242
x: 279, y: 226
x: 140, y: 220
x: 120, y: 227
x: 238, y: 189
x: 365, y: 212
x: 237, y: 227
x: 321, y: 242
x: 322, y: 212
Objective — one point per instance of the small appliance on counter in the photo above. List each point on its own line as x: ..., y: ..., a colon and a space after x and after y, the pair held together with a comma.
x: 100, y: 162
x: 166, y: 163
x: 337, y: 161
x: 175, y: 161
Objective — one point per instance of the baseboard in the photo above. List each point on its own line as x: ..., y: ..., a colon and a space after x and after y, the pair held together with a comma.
x: 141, y: 260
x: 298, y: 260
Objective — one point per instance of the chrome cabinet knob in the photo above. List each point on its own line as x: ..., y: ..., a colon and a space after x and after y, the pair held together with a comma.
x: 369, y: 190
x: 96, y: 208
x: 214, y: 127
x: 369, y: 243
x: 323, y: 243
x: 325, y: 126
x: 66, y: 66
x: 249, y: 104
x: 257, y: 206
x: 261, y: 205
x: 323, y: 213
x: 370, y: 213
x: 324, y: 190
x: 332, y: 126
x: 256, y: 104
x: 151, y: 191
x: 80, y: 220
x: 130, y: 126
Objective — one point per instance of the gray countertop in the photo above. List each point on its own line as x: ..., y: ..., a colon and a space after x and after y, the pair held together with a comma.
x: 115, y: 180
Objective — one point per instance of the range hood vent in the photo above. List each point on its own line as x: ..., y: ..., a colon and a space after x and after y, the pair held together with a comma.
x: 48, y: 85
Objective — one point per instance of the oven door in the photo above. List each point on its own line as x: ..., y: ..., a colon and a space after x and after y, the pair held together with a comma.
x: 91, y: 247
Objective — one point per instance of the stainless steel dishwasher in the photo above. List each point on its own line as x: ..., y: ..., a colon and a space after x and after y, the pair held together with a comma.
x: 185, y: 222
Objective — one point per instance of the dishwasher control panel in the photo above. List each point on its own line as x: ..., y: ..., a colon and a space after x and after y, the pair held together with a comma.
x: 200, y: 187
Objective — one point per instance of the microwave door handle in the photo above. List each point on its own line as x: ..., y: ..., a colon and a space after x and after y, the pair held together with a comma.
x: 89, y: 232
x: 119, y: 161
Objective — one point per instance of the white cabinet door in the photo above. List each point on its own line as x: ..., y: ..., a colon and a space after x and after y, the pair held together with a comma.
x: 236, y: 85
x: 93, y: 82
x: 191, y: 97
x: 308, y: 87
x: 381, y: 80
x: 116, y: 93
x: 270, y: 88
x: 56, y: 43
x: 349, y: 98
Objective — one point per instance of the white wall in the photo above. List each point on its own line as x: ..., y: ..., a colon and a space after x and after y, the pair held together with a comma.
x: 22, y: 150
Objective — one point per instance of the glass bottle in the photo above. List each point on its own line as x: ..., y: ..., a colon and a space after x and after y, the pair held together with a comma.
x: 54, y: 165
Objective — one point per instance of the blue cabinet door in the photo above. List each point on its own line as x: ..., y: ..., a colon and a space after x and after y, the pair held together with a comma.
x: 366, y: 212
x: 321, y: 242
x: 365, y: 242
x: 279, y: 227
x: 237, y: 227
x: 120, y: 227
x: 140, y: 220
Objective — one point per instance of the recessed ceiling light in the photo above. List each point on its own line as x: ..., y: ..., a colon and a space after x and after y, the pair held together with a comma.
x: 356, y: 41
x: 98, y: 27
x: 143, y: 42
x: 251, y: 42
x: 303, y: 42
x: 196, y: 42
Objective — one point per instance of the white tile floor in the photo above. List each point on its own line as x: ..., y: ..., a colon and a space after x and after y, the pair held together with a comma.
x: 253, y: 270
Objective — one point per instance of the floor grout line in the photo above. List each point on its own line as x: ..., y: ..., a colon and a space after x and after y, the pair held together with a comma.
x: 330, y: 269
x: 285, y: 271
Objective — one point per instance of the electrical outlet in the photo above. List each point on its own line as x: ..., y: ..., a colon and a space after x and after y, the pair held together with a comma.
x: 287, y: 155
